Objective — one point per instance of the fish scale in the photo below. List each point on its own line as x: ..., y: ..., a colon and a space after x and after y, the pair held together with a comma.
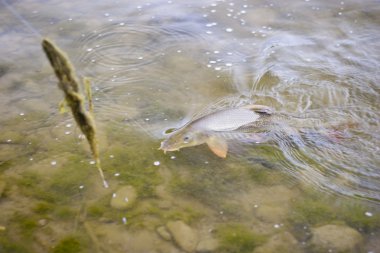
x: 227, y: 120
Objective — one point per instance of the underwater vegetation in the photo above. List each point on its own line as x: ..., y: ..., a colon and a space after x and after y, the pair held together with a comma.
x: 69, y: 244
x: 68, y: 83
x: 314, y: 209
x: 236, y: 238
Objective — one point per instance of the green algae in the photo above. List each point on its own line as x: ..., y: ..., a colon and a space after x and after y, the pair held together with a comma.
x: 237, y: 238
x: 69, y: 244
x: 24, y: 223
x: 43, y: 207
x: 12, y: 246
x: 314, y: 209
x: 355, y: 216
x: 134, y: 165
x: 60, y: 187
x: 5, y: 165
x: 187, y: 215
x: 65, y: 213
x: 144, y: 215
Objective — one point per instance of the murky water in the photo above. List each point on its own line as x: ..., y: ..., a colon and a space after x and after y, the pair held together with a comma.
x: 153, y: 65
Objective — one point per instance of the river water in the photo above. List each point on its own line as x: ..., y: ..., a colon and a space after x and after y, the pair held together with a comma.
x: 153, y: 65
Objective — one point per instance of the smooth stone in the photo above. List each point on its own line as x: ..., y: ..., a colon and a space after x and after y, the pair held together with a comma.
x: 282, y: 242
x: 338, y: 238
x: 184, y: 236
x: 207, y: 245
x: 164, y: 233
x: 124, y: 197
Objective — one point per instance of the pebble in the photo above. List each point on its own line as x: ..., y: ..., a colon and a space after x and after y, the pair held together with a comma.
x: 184, y: 236
x: 338, y: 238
x: 43, y: 222
x: 282, y: 242
x: 164, y: 233
x: 207, y: 245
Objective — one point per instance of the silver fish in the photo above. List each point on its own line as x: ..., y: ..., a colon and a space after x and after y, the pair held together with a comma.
x: 215, y: 128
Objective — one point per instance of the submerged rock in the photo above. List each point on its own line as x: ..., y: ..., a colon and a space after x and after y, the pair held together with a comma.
x: 283, y: 242
x: 124, y: 197
x: 184, y: 236
x: 207, y: 245
x: 164, y: 233
x: 336, y: 238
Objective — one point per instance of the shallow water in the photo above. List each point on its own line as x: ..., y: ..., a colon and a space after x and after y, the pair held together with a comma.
x: 154, y: 65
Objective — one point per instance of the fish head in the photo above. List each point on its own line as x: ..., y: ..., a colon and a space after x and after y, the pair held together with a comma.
x: 182, y: 138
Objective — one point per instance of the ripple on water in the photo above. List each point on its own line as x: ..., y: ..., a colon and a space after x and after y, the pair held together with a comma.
x: 319, y: 72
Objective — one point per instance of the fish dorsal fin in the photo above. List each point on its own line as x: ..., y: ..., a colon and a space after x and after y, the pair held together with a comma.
x: 218, y: 146
x: 260, y: 109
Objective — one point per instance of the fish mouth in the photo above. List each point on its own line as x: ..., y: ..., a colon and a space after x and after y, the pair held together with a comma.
x: 164, y: 148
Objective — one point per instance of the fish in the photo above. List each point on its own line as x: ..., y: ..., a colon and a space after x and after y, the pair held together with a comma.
x: 215, y: 128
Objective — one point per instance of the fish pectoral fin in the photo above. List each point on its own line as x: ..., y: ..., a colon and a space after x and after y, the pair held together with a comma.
x: 218, y: 146
x: 260, y: 109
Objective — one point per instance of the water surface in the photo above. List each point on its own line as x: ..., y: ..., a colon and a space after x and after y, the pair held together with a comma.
x: 153, y: 65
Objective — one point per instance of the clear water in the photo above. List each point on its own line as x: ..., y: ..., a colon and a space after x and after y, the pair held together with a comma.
x: 153, y: 65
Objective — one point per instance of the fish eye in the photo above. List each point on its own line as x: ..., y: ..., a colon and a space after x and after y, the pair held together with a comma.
x: 186, y: 139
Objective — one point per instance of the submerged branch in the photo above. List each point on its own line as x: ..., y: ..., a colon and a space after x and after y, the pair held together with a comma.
x: 69, y: 84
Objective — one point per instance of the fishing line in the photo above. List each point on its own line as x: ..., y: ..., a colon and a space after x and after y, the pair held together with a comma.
x: 22, y: 19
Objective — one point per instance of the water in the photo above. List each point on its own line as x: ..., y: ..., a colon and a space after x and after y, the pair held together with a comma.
x: 154, y: 65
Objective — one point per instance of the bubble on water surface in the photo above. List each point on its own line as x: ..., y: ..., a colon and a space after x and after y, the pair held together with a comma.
x: 211, y: 24
x: 156, y: 163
